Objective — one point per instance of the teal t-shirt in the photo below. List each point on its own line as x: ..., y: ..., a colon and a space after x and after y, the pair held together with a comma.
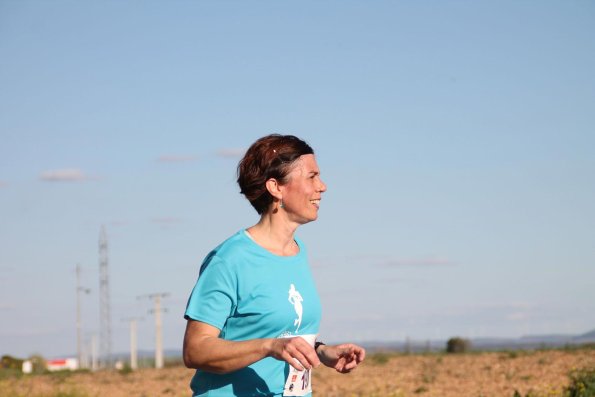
x: 248, y: 293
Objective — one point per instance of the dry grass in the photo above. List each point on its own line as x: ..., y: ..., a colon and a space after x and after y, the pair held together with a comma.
x: 539, y: 373
x: 542, y: 373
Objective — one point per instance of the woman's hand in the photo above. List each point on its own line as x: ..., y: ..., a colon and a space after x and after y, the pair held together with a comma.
x: 343, y: 358
x: 292, y: 349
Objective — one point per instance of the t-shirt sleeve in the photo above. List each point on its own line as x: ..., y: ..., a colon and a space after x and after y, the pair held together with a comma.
x: 213, y: 298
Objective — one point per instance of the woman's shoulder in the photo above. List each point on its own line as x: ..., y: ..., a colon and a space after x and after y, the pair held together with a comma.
x: 237, y: 242
x: 237, y: 245
x: 226, y: 254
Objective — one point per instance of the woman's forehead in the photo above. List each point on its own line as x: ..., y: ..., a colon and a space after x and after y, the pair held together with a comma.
x: 305, y: 164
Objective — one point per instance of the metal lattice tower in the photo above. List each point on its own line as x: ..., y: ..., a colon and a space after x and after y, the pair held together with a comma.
x: 105, y: 322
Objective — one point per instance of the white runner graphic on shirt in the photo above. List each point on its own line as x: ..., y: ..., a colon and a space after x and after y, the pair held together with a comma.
x: 295, y: 298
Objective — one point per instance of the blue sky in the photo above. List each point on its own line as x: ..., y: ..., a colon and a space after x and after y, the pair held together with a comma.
x: 456, y: 139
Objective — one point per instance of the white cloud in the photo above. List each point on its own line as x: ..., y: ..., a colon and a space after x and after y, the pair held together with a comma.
x: 231, y: 152
x: 176, y: 158
x: 64, y: 175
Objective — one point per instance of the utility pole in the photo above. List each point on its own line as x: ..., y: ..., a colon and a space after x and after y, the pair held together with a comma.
x: 105, y: 322
x: 94, y: 360
x: 85, y: 355
x: 79, y: 327
x: 407, y: 345
x: 158, y: 325
x: 133, y: 339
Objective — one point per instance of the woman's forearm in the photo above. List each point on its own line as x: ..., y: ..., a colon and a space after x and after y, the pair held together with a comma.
x: 203, y: 349
x: 213, y: 354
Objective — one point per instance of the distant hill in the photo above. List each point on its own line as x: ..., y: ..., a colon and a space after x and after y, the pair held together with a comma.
x: 488, y: 343
x: 588, y: 337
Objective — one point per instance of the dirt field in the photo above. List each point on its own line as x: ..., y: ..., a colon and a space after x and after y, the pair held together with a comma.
x: 540, y: 373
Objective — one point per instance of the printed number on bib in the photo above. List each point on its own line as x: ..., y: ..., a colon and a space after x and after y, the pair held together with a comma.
x: 298, y: 383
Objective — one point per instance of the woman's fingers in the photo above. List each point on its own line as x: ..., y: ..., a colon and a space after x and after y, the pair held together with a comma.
x: 292, y: 361
x: 303, y: 352
x: 350, y: 357
x: 297, y: 352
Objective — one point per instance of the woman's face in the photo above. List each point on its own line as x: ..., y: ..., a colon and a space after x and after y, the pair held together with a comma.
x: 303, y: 191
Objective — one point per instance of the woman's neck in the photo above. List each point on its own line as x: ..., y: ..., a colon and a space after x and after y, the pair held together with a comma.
x: 275, y: 235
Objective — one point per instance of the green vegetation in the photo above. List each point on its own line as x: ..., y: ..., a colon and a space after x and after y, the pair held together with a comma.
x: 12, y: 367
x: 10, y: 362
x: 582, y: 383
x: 126, y: 369
x: 517, y: 394
x: 173, y: 362
x: 379, y: 358
x: 584, y: 346
x: 458, y: 345
x: 59, y: 376
x: 10, y: 374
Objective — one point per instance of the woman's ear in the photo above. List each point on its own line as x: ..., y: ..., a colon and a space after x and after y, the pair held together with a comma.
x: 274, y: 188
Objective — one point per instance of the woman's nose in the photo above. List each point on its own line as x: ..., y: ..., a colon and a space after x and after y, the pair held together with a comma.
x: 322, y: 187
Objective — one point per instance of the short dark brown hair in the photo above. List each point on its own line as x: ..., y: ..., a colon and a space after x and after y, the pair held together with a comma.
x: 269, y: 157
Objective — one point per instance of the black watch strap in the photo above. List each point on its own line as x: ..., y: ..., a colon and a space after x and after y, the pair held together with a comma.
x: 317, y: 345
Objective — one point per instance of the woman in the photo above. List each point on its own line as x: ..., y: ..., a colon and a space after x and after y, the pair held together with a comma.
x: 254, y: 312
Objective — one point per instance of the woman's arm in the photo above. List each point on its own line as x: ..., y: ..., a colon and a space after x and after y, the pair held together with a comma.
x: 343, y: 358
x: 203, y: 349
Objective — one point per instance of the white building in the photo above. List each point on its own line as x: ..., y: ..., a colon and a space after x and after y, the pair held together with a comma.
x: 60, y: 364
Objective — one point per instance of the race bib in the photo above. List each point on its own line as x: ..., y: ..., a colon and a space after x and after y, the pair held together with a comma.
x: 299, y: 383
